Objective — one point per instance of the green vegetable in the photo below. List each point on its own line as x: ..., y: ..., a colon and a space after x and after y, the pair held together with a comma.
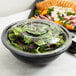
x: 37, y: 50
x: 17, y: 45
x: 24, y: 28
x: 70, y: 13
x: 75, y: 27
x: 40, y: 42
x: 60, y: 17
x: 33, y: 38
x: 65, y: 22
x: 43, y: 47
x: 61, y: 42
x: 17, y: 30
x: 37, y: 12
x: 12, y: 37
x: 27, y: 39
x: 50, y: 10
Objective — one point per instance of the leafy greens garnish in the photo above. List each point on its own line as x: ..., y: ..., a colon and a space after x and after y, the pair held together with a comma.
x: 33, y: 38
x: 37, y: 12
x: 50, y: 10
x: 60, y: 17
x: 70, y: 13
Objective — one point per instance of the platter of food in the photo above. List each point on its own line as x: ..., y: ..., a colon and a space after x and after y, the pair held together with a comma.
x: 62, y: 12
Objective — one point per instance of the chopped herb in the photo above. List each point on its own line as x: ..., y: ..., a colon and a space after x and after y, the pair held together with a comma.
x: 60, y: 17
x: 50, y: 10
x: 65, y: 22
x: 70, y: 13
x: 75, y: 27
x: 37, y: 12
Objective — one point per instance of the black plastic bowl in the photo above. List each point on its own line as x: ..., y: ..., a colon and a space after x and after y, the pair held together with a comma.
x: 38, y: 59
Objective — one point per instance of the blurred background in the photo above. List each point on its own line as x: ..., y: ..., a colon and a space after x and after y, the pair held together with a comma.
x: 8, y: 7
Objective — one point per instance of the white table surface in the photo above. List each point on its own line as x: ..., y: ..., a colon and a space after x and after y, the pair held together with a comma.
x: 8, y: 7
x: 65, y: 65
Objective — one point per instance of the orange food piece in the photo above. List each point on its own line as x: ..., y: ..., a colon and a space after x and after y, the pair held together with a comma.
x: 69, y: 27
x: 32, y: 18
x: 44, y: 12
x: 59, y: 22
x: 40, y: 11
x: 43, y: 5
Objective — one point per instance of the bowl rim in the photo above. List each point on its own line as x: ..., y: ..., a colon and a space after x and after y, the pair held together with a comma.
x: 60, y: 50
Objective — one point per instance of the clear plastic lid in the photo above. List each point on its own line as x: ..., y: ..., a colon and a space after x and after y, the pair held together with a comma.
x: 42, y: 31
x: 41, y: 35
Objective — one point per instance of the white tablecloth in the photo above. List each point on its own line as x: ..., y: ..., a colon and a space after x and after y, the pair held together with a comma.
x: 65, y: 65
